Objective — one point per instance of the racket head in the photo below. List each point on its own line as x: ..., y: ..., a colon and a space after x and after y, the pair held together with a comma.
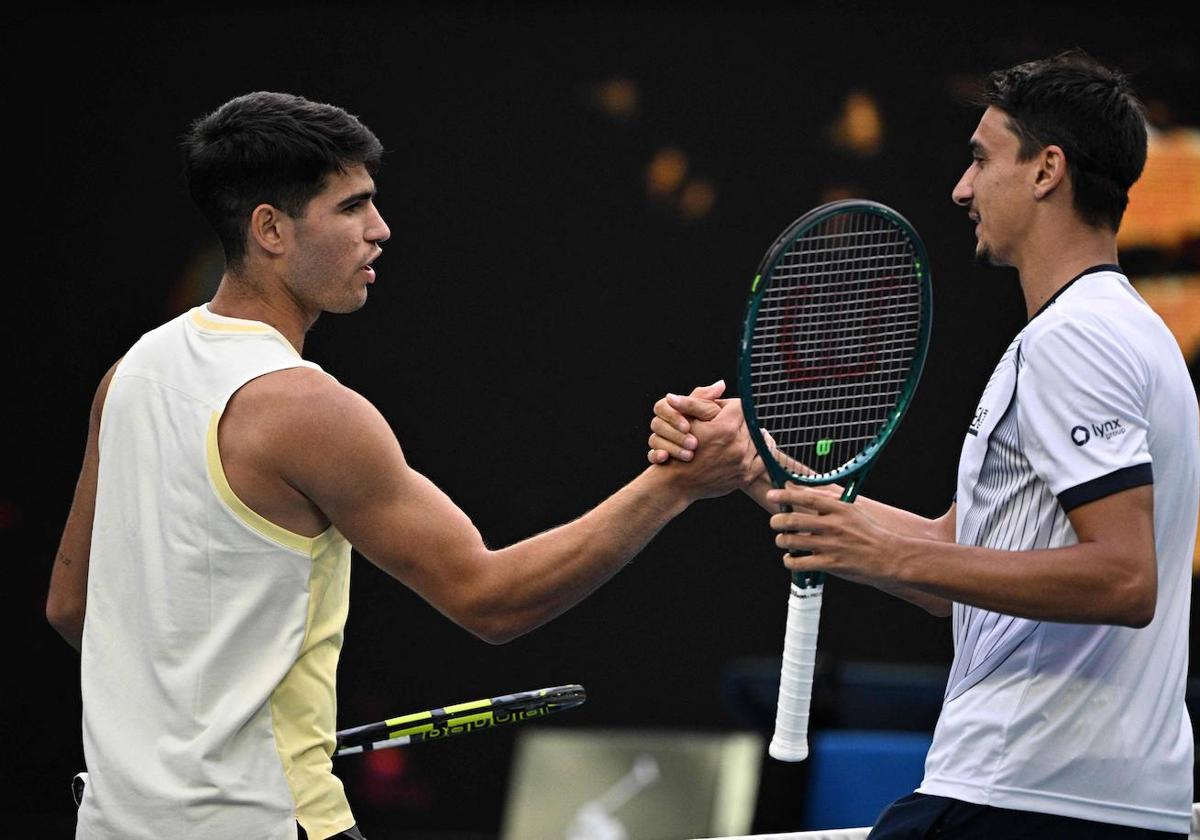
x: 834, y: 340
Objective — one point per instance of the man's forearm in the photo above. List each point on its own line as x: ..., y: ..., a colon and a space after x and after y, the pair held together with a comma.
x: 894, y: 519
x: 560, y: 567
x: 1083, y: 584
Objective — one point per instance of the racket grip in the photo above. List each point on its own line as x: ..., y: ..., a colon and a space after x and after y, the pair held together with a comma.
x: 790, y: 742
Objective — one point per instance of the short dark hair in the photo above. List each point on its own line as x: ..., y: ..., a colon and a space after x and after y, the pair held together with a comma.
x: 1088, y: 109
x: 269, y: 148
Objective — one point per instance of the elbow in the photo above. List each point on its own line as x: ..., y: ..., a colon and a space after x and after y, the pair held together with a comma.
x: 491, y: 608
x: 66, y: 617
x: 494, y: 630
x: 1140, y: 612
x: 939, y: 608
x: 496, y: 635
x: 490, y: 620
x: 1138, y: 601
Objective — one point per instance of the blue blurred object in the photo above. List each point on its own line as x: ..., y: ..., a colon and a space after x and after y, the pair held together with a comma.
x: 877, y: 695
x: 855, y: 774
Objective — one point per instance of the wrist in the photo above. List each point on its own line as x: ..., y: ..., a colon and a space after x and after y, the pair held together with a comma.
x: 667, y: 488
x: 908, y: 554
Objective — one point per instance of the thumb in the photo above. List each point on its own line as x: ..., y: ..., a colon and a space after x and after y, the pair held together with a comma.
x: 709, y: 392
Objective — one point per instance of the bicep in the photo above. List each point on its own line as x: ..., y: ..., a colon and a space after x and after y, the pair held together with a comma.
x: 1123, y: 525
x: 354, y: 470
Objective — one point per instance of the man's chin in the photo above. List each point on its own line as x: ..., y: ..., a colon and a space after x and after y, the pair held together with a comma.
x: 345, y: 307
x: 984, y: 257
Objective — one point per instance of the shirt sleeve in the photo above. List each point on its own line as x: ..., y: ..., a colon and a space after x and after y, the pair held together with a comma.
x: 1081, y: 411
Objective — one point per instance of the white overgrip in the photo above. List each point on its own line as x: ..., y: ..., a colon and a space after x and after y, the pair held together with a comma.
x: 790, y: 742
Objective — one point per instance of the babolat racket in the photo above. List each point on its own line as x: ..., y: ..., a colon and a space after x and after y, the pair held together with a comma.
x: 459, y: 719
x: 834, y: 340
x: 435, y: 724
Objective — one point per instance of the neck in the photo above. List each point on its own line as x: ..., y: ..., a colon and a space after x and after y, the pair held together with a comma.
x: 1060, y: 255
x: 240, y: 298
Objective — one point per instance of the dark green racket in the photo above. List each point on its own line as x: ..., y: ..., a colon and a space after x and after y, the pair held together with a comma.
x: 833, y: 343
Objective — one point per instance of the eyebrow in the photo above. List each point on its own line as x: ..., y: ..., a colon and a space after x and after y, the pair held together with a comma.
x: 975, y: 146
x: 363, y: 195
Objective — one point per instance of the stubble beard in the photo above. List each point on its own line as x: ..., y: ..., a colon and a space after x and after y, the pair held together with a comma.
x: 985, y: 257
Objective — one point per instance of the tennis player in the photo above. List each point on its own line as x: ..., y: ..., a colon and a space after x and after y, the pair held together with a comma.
x: 224, y: 482
x: 1066, y: 559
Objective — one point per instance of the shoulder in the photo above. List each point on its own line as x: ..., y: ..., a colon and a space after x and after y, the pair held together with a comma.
x: 325, y: 440
x: 102, y: 392
x: 302, y: 400
x: 1087, y: 331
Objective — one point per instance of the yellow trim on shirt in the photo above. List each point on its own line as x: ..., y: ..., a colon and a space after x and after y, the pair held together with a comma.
x: 227, y: 326
x: 206, y: 320
x: 305, y: 743
x: 264, y: 526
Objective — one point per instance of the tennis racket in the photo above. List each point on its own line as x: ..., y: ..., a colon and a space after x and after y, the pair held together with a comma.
x: 459, y: 719
x: 436, y: 724
x: 834, y: 339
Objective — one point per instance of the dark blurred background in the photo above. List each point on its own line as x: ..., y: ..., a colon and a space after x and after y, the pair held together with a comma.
x: 578, y: 196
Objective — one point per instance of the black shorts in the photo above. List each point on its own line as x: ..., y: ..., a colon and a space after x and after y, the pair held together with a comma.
x: 351, y: 833
x: 917, y: 817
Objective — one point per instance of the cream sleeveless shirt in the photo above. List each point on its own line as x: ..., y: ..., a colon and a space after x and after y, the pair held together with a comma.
x: 212, y: 636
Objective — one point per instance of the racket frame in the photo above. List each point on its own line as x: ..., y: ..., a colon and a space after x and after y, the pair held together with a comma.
x: 458, y: 719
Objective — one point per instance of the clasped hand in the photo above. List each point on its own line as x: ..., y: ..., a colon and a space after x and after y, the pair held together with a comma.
x: 840, y: 538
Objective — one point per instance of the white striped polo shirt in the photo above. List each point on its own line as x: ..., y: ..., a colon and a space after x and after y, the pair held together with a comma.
x: 1086, y: 721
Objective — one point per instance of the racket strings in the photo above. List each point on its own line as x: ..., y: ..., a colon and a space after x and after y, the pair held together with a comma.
x: 834, y: 340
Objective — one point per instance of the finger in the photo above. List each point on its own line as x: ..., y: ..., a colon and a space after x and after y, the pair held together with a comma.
x: 658, y: 456
x: 693, y: 407
x: 668, y: 432
x: 810, y: 562
x: 709, y: 392
x: 770, y: 440
x: 672, y: 449
x: 797, y: 522
x: 670, y: 415
x: 804, y: 497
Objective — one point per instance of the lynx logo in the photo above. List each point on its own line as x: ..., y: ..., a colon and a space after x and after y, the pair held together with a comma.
x: 1107, y: 430
x: 981, y: 413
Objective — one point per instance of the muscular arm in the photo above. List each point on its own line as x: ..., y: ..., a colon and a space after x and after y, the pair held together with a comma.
x: 1109, y: 577
x: 67, y: 600
x: 336, y: 449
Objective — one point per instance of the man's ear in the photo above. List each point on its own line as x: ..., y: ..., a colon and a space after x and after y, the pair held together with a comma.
x: 270, y: 228
x: 1050, y: 172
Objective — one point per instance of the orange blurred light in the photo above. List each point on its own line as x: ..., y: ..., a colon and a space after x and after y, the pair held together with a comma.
x: 1164, y: 204
x: 618, y: 97
x: 859, y: 128
x: 697, y: 199
x: 666, y: 172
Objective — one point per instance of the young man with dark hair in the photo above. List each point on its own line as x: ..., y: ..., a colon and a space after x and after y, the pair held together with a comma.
x: 224, y: 481
x: 1066, y: 557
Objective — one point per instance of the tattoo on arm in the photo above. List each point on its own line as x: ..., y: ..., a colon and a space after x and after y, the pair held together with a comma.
x: 63, y: 559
